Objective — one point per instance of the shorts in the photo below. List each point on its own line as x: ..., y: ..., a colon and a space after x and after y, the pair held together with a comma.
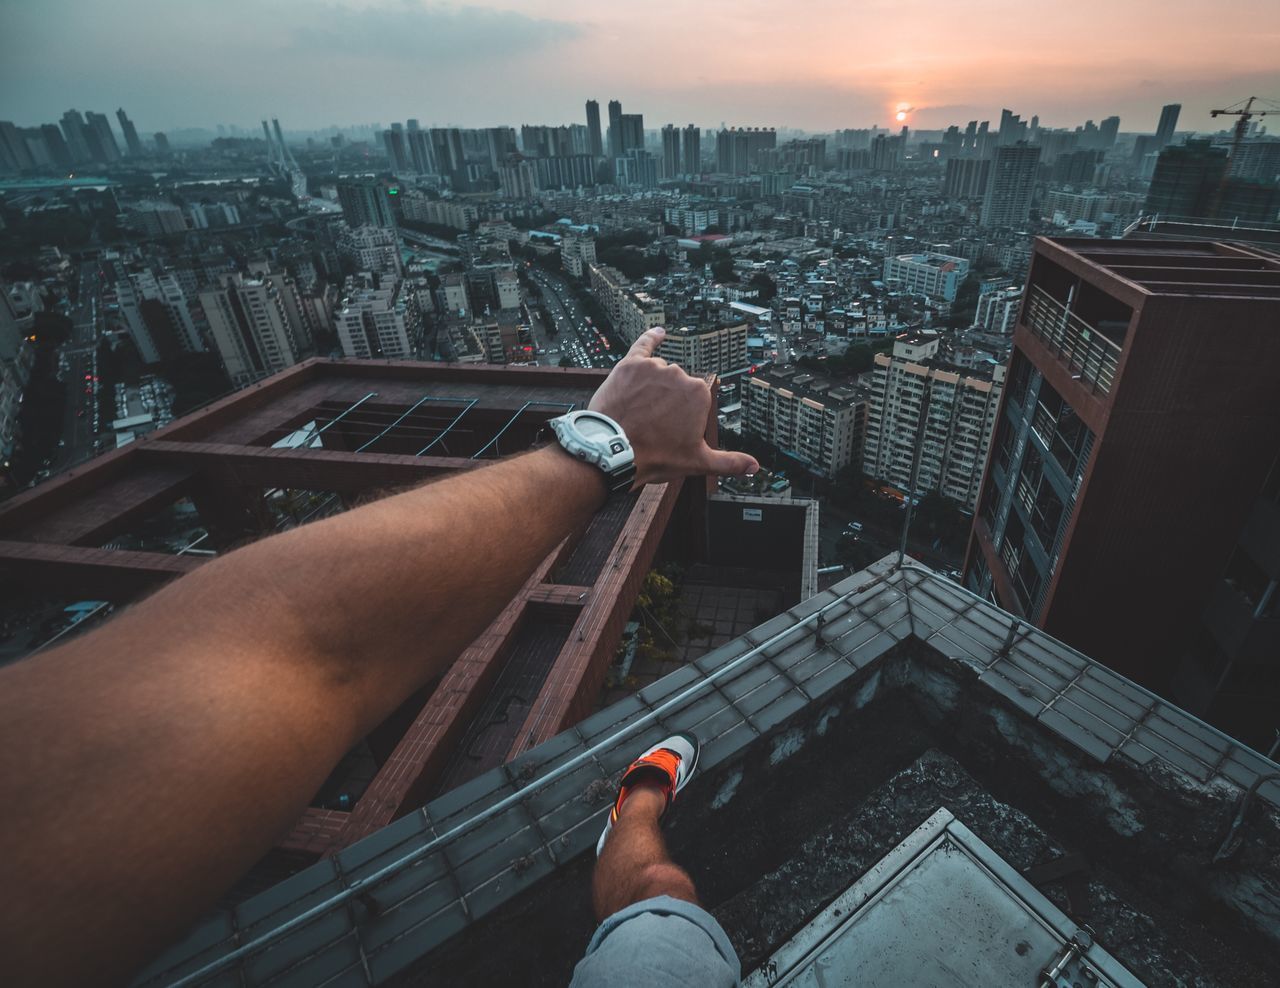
x: 659, y: 942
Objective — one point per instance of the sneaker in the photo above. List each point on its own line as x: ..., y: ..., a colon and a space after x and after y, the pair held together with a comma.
x: 669, y: 763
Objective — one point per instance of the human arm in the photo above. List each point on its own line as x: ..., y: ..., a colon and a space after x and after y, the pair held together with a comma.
x: 152, y: 762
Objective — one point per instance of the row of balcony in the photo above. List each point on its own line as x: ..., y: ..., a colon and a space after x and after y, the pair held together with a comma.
x: 1091, y: 356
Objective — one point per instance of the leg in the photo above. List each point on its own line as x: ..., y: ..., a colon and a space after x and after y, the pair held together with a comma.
x: 634, y: 864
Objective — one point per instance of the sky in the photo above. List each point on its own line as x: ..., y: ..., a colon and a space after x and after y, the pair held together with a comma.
x: 809, y: 64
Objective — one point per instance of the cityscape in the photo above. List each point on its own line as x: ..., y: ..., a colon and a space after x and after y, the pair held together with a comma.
x: 1013, y: 381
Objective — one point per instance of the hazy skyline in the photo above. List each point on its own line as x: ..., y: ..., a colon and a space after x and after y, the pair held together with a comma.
x: 815, y: 64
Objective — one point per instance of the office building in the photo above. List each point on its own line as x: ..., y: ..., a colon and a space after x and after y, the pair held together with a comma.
x: 378, y: 323
x: 375, y: 249
x: 1010, y: 186
x: 577, y: 252
x: 366, y: 203
x: 936, y: 275
x: 1168, y: 123
x: 966, y: 178
x: 594, y: 136
x: 251, y: 326
x: 1139, y: 423
x: 691, y: 155
x: 631, y: 312
x: 929, y: 424
x: 671, y: 159
x: 807, y: 417
x: 718, y: 350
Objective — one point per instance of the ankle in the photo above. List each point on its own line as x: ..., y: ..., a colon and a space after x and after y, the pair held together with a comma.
x: 645, y: 799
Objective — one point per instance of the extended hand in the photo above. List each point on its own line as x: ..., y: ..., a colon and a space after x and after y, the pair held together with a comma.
x: 664, y: 412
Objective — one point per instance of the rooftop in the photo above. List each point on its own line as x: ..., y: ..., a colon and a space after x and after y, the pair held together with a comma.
x: 892, y: 740
x: 1213, y: 269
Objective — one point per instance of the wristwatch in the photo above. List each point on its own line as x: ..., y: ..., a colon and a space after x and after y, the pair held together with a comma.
x: 599, y: 440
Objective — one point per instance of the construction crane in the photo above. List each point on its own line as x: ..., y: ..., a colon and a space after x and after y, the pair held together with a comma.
x: 1245, y: 113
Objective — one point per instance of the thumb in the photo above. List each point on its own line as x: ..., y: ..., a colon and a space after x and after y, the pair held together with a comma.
x: 722, y: 463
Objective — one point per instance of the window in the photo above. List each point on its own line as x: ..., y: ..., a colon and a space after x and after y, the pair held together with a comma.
x: 1038, y: 498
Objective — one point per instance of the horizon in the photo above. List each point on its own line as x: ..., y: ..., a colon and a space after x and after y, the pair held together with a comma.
x: 818, y: 68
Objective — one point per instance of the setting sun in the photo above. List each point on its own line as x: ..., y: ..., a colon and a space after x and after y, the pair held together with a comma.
x: 901, y: 115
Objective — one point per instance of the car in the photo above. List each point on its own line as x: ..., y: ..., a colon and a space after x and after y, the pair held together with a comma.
x: 854, y: 526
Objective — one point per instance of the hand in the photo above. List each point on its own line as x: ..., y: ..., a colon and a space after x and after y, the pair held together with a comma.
x: 664, y: 412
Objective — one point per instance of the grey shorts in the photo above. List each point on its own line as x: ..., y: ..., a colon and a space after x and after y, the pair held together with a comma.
x: 659, y: 942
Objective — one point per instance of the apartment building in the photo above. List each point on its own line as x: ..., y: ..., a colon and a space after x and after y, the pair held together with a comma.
x: 372, y: 248
x: 251, y: 327
x: 997, y: 311
x: 959, y: 412
x: 807, y: 417
x: 716, y: 350
x: 380, y: 323
x: 157, y: 315
x: 630, y: 311
x: 576, y: 253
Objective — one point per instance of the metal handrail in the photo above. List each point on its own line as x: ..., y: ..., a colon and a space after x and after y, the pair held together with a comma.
x: 1084, y: 349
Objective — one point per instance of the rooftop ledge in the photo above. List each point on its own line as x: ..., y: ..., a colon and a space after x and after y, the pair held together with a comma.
x: 906, y: 695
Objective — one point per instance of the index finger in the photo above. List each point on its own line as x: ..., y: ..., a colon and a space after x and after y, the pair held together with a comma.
x: 647, y: 343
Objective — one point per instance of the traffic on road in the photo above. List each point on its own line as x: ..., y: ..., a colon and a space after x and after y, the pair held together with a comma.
x: 576, y: 336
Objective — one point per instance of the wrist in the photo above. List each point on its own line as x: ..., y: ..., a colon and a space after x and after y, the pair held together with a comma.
x: 588, y: 477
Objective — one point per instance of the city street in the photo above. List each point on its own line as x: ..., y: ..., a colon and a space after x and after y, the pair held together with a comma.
x: 78, y: 358
x: 583, y: 343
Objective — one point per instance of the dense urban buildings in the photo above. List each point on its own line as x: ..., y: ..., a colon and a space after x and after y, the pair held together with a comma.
x: 1138, y: 426
x: 813, y: 421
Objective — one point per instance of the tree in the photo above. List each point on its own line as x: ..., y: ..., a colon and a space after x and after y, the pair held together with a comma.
x: 766, y: 288
x: 565, y: 361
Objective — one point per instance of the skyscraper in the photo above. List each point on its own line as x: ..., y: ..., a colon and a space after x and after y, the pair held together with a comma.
x: 393, y: 141
x: 251, y: 327
x: 671, y: 160
x: 365, y: 204
x: 1139, y: 420
x: 615, y: 128
x: 162, y: 142
x: 596, y: 147
x: 1010, y: 186
x: 631, y: 131
x: 102, y: 142
x: 420, y: 156
x: 1168, y: 123
x: 692, y: 153
x: 1107, y: 133
x: 14, y: 155
x: 73, y: 128
x: 130, y: 132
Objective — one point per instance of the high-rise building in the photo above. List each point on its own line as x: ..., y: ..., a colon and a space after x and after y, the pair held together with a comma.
x: 250, y: 327
x: 577, y: 251
x: 707, y: 350
x: 14, y: 154
x: 130, y: 132
x: 596, y: 142
x: 1186, y: 180
x: 1078, y: 167
x: 377, y: 323
x: 1012, y: 128
x: 929, y: 424
x: 1107, y: 132
x: 1139, y: 421
x: 738, y: 148
x: 631, y: 131
x: 393, y: 141
x: 56, y: 146
x: 102, y: 142
x: 1168, y: 123
x: 419, y: 147
x: 887, y: 153
x: 157, y: 316
x: 1010, y: 186
x: 615, y: 128
x: 671, y: 160
x: 691, y: 161
x: 76, y: 133
x: 162, y: 142
x: 636, y: 169
x: 375, y: 249
x: 967, y: 177
x: 809, y: 418
x: 365, y: 203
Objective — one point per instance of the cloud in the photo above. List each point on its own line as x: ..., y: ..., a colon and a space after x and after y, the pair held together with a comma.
x: 417, y: 30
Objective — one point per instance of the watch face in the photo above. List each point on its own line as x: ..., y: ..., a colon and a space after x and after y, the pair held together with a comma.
x: 593, y: 429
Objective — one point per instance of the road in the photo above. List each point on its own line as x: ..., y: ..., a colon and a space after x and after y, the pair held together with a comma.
x: 78, y: 366
x: 877, y: 538
x: 581, y: 341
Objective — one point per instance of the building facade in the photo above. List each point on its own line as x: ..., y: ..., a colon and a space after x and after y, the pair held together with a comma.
x: 251, y: 328
x: 1139, y: 421
x: 382, y: 323
x: 718, y: 350
x: 630, y: 311
x: 808, y: 418
x: 929, y: 424
x: 1010, y: 185
x: 935, y: 275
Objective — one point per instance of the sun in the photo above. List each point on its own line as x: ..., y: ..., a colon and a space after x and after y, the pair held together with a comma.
x: 901, y: 115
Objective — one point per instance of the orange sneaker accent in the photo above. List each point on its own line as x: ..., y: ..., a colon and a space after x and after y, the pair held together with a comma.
x: 665, y: 760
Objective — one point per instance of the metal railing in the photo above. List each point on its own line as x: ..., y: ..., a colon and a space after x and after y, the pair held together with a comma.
x: 1091, y: 356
